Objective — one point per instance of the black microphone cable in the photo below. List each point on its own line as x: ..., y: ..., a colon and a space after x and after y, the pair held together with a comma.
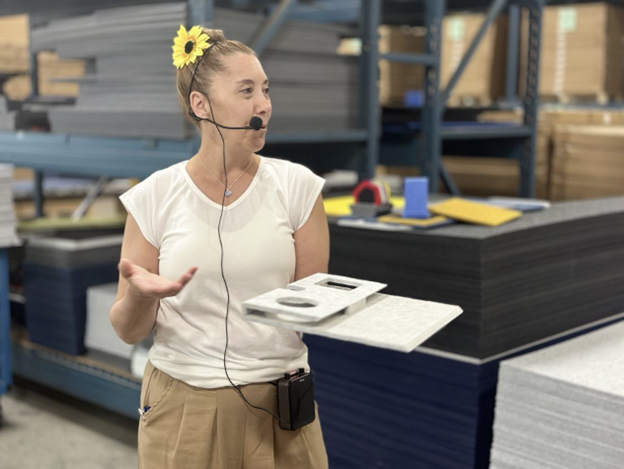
x: 227, y: 290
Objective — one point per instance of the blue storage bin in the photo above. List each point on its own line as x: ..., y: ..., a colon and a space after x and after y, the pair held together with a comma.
x: 56, y: 303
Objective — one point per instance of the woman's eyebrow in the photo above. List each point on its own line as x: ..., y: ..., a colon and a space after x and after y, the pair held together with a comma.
x: 248, y: 81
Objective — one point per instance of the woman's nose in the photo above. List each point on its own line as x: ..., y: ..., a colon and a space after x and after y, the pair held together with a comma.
x: 263, y: 106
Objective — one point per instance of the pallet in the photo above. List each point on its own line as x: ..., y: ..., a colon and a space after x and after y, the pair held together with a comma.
x: 594, y: 98
x: 469, y: 101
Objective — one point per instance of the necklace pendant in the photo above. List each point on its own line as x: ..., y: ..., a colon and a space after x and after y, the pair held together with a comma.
x: 228, y: 192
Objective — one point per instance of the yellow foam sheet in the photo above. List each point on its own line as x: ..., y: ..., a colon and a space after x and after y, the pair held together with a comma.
x: 341, y: 206
x: 474, y: 212
x: 397, y: 219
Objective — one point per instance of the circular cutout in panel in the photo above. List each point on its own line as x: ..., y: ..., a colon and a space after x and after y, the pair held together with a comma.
x: 296, y: 302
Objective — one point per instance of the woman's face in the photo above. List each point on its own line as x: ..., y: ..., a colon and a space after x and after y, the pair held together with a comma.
x: 238, y: 93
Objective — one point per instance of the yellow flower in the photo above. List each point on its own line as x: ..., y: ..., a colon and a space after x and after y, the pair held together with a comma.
x: 187, y: 46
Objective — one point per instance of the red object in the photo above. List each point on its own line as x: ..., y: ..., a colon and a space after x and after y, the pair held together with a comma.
x: 367, y: 185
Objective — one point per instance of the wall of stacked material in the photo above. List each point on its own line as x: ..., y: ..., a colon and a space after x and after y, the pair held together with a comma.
x: 566, y: 136
x: 395, y: 79
x: 582, y: 53
x: 301, y: 61
x: 483, y: 81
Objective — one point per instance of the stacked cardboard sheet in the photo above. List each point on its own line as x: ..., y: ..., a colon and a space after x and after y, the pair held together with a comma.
x: 14, y: 53
x: 483, y: 79
x: 581, y: 53
x: 395, y: 79
x: 588, y: 162
x: 562, y: 407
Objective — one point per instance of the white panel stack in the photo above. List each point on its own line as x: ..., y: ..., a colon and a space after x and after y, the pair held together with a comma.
x: 131, y: 90
x: 140, y: 355
x: 563, y: 407
x: 99, y: 334
x: 8, y: 235
x: 7, y: 119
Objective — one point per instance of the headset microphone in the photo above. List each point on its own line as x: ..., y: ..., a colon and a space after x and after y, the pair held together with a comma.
x: 254, y: 124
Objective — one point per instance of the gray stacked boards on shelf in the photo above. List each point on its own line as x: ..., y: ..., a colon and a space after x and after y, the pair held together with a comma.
x: 130, y: 90
x: 562, y: 407
x: 540, y: 275
x: 312, y: 87
x: 58, y: 272
x: 121, y: 99
x: 7, y: 118
x: 426, y: 409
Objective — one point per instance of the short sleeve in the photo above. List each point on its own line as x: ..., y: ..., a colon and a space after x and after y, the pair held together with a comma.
x: 139, y: 202
x: 304, y: 188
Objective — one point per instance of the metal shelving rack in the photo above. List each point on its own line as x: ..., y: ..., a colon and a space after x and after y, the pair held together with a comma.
x: 126, y: 157
x: 6, y: 373
x: 130, y: 157
x: 518, y: 141
x: 134, y: 157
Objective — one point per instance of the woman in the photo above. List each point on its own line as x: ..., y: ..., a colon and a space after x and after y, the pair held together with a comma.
x: 273, y: 231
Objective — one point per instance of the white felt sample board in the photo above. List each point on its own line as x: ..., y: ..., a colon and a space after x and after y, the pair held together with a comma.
x: 563, y: 406
x: 385, y: 321
x: 99, y: 333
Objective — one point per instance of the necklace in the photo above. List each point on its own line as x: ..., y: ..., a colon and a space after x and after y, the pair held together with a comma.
x: 228, y: 192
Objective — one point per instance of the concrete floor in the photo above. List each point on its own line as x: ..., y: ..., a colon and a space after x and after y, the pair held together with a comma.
x: 42, y: 429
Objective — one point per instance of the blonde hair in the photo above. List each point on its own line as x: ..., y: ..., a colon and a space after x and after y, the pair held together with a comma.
x: 209, y: 65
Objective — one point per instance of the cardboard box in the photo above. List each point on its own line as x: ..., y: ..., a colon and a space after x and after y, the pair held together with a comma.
x: 483, y: 79
x: 587, y: 162
x: 14, y: 44
x: 50, y: 67
x: 395, y: 79
x: 581, y: 54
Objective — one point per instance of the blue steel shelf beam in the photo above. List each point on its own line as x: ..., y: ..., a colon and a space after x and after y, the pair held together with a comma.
x: 96, y: 385
x: 531, y: 97
x: 6, y: 374
x: 494, y: 11
x: 435, y: 100
x: 262, y: 37
x: 417, y: 59
x: 201, y: 12
x: 513, y: 50
x: 432, y: 110
x: 369, y: 112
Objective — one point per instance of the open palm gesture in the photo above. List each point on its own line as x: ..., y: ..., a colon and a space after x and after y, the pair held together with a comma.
x: 150, y: 285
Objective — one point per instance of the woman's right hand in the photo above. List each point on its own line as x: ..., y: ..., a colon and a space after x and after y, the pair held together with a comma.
x: 146, y: 284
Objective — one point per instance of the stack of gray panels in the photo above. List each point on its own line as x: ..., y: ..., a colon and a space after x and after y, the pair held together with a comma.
x: 131, y: 90
x: 562, y: 407
x: 312, y: 87
x: 7, y: 119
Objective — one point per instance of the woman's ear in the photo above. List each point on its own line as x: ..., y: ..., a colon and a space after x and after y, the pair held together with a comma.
x: 199, y: 105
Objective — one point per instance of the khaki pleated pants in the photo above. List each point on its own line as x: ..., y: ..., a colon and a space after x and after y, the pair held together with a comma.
x: 188, y: 427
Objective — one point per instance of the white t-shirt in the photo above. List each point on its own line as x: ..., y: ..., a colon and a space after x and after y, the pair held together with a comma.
x: 259, y: 256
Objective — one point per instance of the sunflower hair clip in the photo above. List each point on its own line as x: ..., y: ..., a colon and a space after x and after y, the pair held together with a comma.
x: 189, y: 45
